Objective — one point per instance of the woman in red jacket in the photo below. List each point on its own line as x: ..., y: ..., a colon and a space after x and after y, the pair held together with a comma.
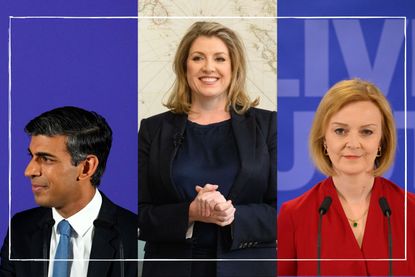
x: 353, y: 141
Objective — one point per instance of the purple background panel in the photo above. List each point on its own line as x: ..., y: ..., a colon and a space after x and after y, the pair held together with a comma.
x: 80, y: 62
x: 87, y: 63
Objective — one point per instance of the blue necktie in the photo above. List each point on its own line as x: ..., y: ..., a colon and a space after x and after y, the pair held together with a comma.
x: 61, y: 268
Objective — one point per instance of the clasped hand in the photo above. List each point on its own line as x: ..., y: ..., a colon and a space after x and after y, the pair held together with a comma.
x: 210, y: 206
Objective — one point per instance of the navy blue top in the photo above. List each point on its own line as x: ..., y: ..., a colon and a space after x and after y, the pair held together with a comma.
x: 208, y: 155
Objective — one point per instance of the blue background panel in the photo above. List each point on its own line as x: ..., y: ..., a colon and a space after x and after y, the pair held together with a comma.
x: 315, y: 53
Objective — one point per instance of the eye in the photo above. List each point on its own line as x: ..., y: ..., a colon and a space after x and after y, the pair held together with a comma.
x: 366, y: 132
x: 220, y: 59
x: 45, y: 159
x: 196, y: 58
x: 340, y: 131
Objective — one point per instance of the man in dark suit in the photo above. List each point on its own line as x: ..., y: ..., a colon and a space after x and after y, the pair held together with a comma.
x: 69, y: 148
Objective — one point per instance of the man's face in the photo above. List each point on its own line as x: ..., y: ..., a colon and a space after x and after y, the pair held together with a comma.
x: 53, y: 177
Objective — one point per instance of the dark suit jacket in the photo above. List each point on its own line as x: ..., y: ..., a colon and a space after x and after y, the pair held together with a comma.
x: 163, y: 214
x: 115, y: 237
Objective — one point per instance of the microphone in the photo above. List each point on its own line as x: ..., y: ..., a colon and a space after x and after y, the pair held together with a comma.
x: 387, y: 212
x: 178, y: 139
x: 324, y: 207
x: 385, y: 207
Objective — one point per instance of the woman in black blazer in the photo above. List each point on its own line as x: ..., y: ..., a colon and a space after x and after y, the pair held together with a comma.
x: 207, y: 167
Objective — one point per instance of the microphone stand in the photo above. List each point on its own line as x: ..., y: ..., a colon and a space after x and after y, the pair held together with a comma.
x: 387, y: 212
x: 319, y: 243
x: 324, y: 207
x: 390, y: 244
x: 383, y: 203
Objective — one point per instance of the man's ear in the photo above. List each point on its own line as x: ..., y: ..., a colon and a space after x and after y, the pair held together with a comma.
x: 88, y: 167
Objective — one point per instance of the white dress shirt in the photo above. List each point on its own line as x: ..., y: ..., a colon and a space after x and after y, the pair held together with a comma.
x: 82, y: 224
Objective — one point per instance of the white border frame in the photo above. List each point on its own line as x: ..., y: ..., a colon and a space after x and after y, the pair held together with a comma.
x: 207, y: 17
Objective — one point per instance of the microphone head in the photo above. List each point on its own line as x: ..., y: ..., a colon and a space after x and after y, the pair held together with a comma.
x: 325, y: 205
x: 385, y: 206
x: 178, y: 139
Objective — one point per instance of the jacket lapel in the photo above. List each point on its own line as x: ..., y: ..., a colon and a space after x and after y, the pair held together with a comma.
x: 102, y: 249
x: 104, y: 243
x: 172, y: 133
x: 40, y: 243
x: 244, y: 129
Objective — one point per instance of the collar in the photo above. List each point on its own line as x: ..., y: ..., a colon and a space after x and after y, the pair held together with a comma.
x: 83, y: 220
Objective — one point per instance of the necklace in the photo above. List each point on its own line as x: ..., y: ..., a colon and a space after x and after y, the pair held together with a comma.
x: 355, y: 221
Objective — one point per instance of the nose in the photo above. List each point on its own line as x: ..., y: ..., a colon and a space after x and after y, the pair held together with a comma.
x: 208, y: 66
x: 32, y: 169
x: 353, y: 141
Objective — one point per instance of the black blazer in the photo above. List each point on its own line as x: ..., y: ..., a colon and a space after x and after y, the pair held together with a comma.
x: 163, y: 214
x: 115, y: 237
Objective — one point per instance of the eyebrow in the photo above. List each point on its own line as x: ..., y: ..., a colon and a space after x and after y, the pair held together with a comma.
x: 344, y: 124
x: 41, y: 154
x: 201, y: 53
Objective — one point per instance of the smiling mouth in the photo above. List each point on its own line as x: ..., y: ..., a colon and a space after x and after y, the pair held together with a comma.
x: 208, y: 80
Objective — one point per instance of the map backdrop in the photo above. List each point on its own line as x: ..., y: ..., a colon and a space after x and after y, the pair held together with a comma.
x: 158, y: 39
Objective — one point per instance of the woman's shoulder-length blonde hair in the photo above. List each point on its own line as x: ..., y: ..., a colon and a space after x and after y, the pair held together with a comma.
x: 180, y: 97
x: 339, y: 95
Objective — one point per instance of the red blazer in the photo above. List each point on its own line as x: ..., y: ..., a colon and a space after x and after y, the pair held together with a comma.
x: 297, y: 234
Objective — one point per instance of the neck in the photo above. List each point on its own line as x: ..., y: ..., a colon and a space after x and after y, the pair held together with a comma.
x: 211, y: 111
x: 78, y: 203
x: 207, y: 103
x: 354, y: 189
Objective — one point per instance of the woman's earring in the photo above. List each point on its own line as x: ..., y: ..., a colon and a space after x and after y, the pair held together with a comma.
x: 325, y: 150
x: 379, y: 153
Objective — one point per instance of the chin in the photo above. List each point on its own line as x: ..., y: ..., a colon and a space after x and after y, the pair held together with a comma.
x: 211, y: 94
x: 352, y: 171
x: 43, y: 202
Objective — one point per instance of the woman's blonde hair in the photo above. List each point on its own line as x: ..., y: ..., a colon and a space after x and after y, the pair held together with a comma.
x: 180, y: 97
x: 339, y: 95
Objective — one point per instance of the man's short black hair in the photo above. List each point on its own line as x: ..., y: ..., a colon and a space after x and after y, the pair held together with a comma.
x: 87, y: 133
